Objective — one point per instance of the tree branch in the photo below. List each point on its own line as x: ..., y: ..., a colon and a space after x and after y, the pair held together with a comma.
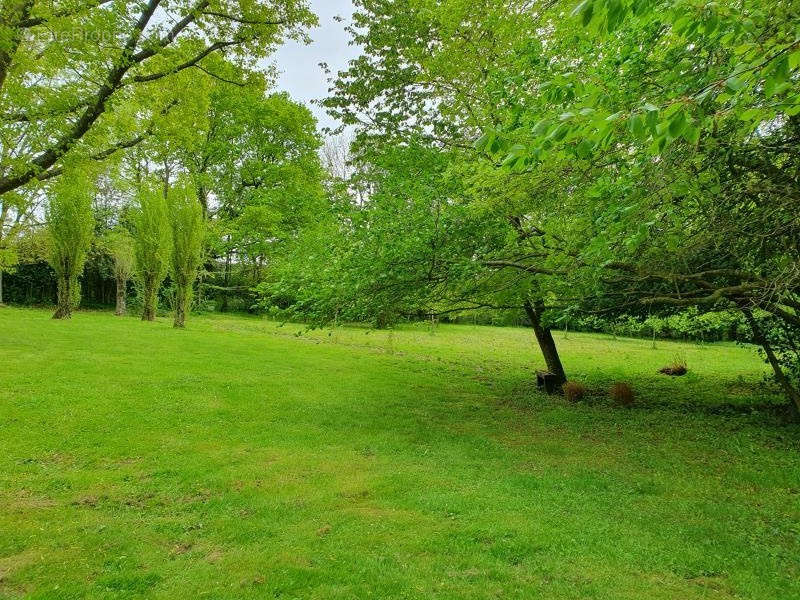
x: 192, y: 62
x: 172, y: 35
x: 241, y: 20
x: 97, y: 107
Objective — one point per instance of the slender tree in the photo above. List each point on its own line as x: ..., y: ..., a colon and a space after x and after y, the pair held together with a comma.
x: 151, y: 247
x: 187, y: 224
x: 120, y: 248
x: 70, y: 225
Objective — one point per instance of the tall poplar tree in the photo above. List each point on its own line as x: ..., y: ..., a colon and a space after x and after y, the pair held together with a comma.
x: 70, y: 225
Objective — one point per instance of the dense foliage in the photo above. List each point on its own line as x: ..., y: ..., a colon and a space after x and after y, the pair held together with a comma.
x: 69, y: 217
x: 625, y: 165
x: 609, y: 159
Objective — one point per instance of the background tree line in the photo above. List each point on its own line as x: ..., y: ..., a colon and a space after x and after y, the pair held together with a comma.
x: 141, y: 143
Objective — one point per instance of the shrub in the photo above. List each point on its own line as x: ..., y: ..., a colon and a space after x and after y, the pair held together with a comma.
x: 676, y: 368
x: 622, y: 394
x: 574, y: 391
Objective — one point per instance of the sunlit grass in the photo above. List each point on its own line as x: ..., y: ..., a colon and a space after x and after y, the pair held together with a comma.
x: 236, y: 459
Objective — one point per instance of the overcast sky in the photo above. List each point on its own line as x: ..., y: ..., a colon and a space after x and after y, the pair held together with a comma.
x: 301, y: 74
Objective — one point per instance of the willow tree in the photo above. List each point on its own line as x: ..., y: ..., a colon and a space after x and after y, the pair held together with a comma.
x: 151, y: 247
x: 70, y: 225
x: 120, y: 247
x: 187, y: 225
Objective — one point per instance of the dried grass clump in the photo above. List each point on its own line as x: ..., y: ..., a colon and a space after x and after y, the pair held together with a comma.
x: 622, y: 393
x: 573, y: 391
x: 676, y: 368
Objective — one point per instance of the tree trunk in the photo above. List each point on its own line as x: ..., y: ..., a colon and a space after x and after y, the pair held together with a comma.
x: 14, y: 12
x: 202, y: 195
x: 181, y: 301
x: 227, y: 280
x: 167, y: 172
x: 150, y: 299
x: 545, y: 338
x: 121, y: 303
x: 64, y: 299
x: 792, y: 394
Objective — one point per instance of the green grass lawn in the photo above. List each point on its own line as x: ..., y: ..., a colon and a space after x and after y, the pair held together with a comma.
x: 236, y: 459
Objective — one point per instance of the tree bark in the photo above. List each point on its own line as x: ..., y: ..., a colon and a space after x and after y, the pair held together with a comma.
x: 792, y: 394
x: 227, y: 280
x: 14, y: 12
x: 150, y: 299
x: 202, y: 195
x: 64, y: 299
x: 545, y: 338
x: 181, y: 302
x: 121, y: 302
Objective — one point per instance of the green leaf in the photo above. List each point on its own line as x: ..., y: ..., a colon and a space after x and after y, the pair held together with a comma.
x: 750, y: 115
x: 541, y: 127
x: 510, y: 158
x: 584, y: 149
x: 677, y: 124
x: 672, y: 109
x: 636, y: 125
x: 586, y: 10
x: 586, y: 15
x: 651, y: 119
x: 615, y: 14
x: 711, y: 24
x: 580, y: 8
x: 681, y: 24
x: 794, y: 60
x: 692, y: 134
x: 481, y: 142
x: 559, y: 133
x: 734, y: 84
x: 794, y: 106
x: 770, y: 85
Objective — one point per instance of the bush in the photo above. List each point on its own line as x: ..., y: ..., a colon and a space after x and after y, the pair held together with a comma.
x: 622, y: 394
x: 677, y: 367
x: 573, y: 391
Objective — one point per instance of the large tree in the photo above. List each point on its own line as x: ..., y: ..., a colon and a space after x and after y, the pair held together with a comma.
x: 640, y: 153
x: 432, y: 77
x: 88, y: 78
x: 680, y: 125
x: 256, y: 170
